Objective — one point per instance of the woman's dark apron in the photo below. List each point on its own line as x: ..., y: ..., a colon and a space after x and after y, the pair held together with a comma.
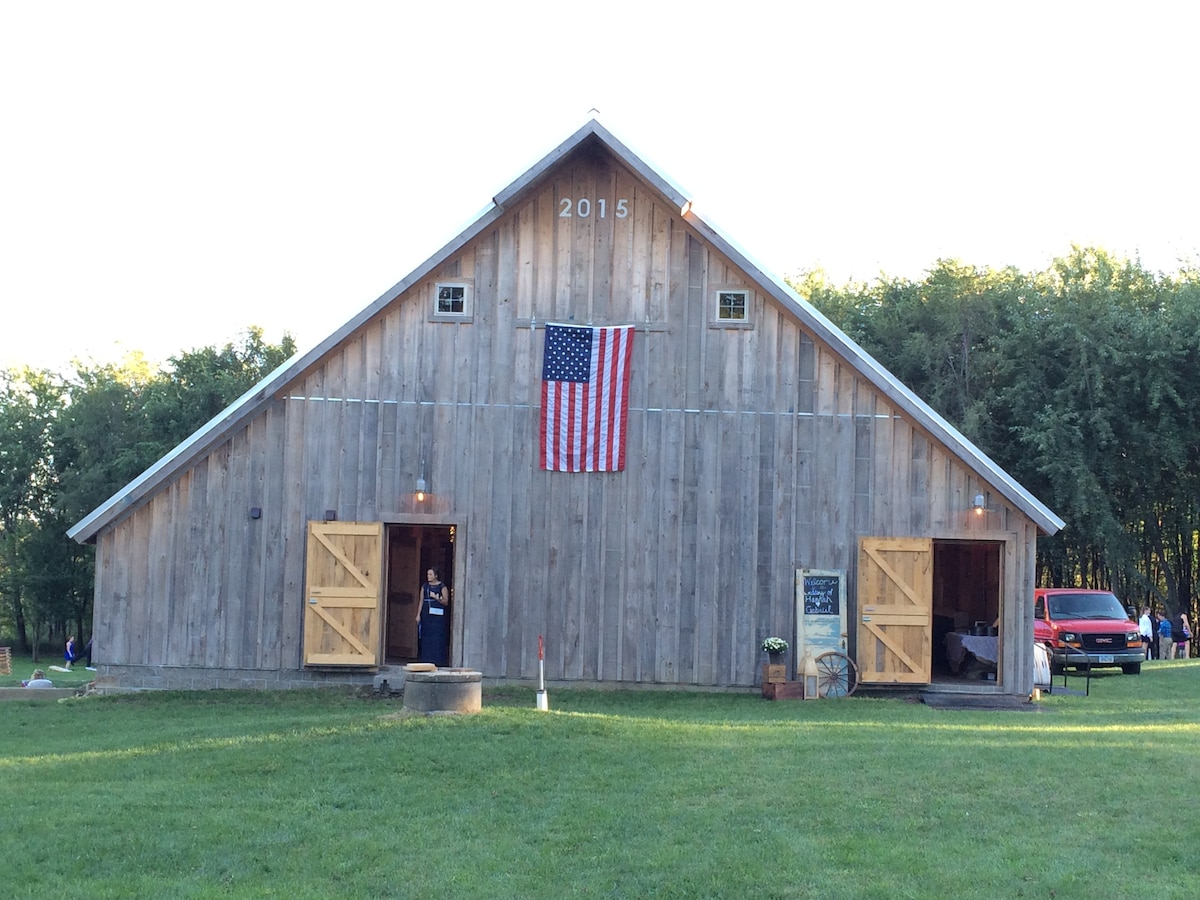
x: 434, y: 635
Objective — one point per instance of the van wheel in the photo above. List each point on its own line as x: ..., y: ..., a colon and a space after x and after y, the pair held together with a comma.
x: 1132, y: 669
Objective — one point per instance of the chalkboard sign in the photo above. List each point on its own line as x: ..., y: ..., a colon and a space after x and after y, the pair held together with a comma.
x: 820, y: 612
x: 822, y: 593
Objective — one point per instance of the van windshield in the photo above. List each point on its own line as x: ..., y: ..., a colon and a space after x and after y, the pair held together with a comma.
x: 1086, y: 606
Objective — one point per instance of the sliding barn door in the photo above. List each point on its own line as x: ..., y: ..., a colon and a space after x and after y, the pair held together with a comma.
x: 343, y: 599
x: 895, y: 610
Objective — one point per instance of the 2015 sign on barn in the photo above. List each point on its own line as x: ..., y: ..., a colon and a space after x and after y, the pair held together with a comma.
x: 583, y: 208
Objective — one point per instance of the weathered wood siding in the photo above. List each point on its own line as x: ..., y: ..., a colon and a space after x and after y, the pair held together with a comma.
x: 751, y: 451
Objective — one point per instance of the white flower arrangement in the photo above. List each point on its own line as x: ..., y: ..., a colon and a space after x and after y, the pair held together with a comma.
x: 774, y: 645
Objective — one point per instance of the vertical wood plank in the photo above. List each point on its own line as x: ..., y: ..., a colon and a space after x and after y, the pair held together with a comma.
x: 670, y: 548
x: 519, y: 637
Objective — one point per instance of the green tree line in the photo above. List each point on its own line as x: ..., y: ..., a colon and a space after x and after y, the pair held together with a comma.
x: 69, y: 442
x: 1081, y: 381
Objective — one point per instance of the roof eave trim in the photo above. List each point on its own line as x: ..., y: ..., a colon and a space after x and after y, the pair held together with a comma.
x: 922, y: 412
x: 221, y: 426
x: 250, y: 403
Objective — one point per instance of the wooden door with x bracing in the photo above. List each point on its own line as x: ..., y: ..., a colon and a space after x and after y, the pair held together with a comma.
x: 343, y: 598
x: 895, y: 610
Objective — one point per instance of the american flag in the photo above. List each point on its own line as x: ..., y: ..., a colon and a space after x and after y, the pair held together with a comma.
x: 585, y: 395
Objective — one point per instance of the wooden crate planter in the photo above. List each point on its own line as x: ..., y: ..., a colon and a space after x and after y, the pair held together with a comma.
x: 773, y: 673
x: 775, y: 684
x: 783, y: 690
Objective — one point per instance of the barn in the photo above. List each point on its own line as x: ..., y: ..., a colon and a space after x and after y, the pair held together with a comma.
x: 744, y: 445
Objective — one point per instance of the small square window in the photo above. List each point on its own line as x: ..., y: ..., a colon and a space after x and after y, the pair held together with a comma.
x: 731, y: 306
x: 452, y: 301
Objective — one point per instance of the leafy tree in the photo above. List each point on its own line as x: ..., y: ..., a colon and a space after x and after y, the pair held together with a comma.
x: 29, y: 402
x: 1078, y: 381
x: 200, y: 383
x: 101, y: 438
x: 57, y: 579
x: 122, y: 419
x: 67, y: 445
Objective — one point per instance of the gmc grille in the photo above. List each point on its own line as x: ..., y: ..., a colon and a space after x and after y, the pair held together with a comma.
x: 1104, y: 643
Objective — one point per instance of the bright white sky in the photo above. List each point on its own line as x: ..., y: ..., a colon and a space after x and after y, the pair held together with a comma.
x: 172, y: 172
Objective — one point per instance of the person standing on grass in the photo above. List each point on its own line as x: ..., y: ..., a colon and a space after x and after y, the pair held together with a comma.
x: 1146, y: 628
x: 72, y: 655
x: 433, y: 621
x: 1166, y: 646
x: 1182, y: 631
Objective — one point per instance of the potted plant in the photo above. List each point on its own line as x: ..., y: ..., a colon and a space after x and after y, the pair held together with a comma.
x: 775, y: 647
x: 774, y: 672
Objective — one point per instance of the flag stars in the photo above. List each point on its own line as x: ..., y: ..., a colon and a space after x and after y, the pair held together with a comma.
x: 568, y: 353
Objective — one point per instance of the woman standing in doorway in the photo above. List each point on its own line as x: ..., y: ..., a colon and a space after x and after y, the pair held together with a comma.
x: 433, y: 621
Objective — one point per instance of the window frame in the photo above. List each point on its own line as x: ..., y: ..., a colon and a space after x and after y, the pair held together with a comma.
x: 468, y: 301
x: 715, y: 319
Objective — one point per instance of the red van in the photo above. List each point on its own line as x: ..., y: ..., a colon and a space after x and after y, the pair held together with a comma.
x: 1081, y: 627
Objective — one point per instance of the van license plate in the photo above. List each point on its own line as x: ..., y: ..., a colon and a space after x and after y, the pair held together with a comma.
x: 1105, y: 657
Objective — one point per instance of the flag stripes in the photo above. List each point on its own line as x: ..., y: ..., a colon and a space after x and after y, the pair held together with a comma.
x: 585, y: 396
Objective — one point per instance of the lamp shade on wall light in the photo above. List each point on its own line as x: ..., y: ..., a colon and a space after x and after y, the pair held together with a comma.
x: 980, y: 504
x: 422, y: 486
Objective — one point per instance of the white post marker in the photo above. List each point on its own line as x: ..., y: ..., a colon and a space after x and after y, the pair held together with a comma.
x: 543, y: 702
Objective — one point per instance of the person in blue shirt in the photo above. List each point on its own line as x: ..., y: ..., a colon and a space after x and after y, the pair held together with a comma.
x: 1166, y: 646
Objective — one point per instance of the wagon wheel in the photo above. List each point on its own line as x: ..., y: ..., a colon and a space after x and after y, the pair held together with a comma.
x: 837, y: 676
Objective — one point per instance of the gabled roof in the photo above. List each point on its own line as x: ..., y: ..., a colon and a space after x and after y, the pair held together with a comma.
x: 254, y: 400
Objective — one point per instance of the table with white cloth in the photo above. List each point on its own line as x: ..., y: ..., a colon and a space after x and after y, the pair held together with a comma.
x: 985, y: 648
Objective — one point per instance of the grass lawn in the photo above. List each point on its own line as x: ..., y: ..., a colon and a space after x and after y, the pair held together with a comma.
x: 610, y: 794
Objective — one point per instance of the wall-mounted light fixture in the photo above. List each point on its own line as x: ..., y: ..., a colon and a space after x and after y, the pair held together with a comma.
x: 331, y: 515
x: 980, y: 504
x: 422, y: 486
x: 256, y: 512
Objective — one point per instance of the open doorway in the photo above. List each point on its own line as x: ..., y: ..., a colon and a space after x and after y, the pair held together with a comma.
x: 966, y: 610
x: 411, y: 551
